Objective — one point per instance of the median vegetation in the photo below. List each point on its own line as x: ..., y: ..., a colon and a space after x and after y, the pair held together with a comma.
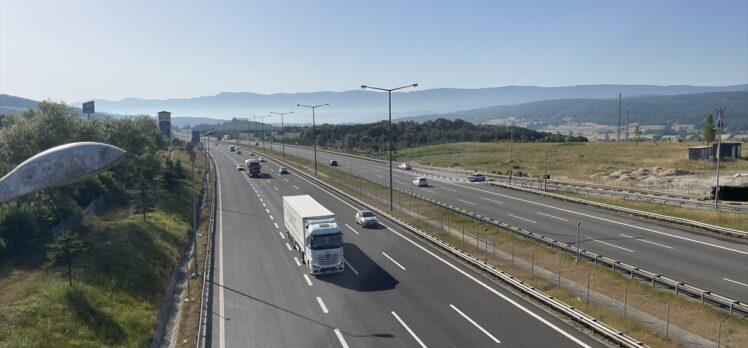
x: 124, y: 252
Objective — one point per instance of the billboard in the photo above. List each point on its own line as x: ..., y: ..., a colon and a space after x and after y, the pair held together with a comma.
x: 164, y: 123
x: 88, y: 107
x: 195, y: 136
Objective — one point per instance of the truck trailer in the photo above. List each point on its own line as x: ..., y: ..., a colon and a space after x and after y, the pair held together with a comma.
x: 314, y: 232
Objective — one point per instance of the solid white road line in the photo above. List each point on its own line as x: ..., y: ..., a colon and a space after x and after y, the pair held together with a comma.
x: 491, y: 200
x: 296, y: 259
x: 351, y: 267
x: 612, y: 221
x: 222, y: 306
x: 352, y: 229
x: 646, y: 241
x: 322, y: 304
x: 449, y: 189
x: 308, y: 281
x: 613, y: 245
x: 732, y: 281
x: 408, y: 329
x: 475, y: 324
x: 281, y: 234
x: 296, y: 187
x: 521, y: 218
x: 496, y: 292
x: 275, y: 224
x: 288, y: 246
x: 464, y: 201
x: 340, y: 338
x: 553, y: 217
x: 393, y: 260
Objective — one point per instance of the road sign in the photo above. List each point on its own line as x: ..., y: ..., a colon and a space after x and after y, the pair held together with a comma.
x: 88, y: 108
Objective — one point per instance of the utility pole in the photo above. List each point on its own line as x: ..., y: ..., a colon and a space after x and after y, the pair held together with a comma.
x: 283, y: 130
x: 618, y: 138
x: 511, y: 140
x: 627, y: 125
x: 720, y: 113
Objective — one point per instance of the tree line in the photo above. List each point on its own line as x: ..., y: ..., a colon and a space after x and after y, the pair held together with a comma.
x: 51, y: 124
x: 372, y: 137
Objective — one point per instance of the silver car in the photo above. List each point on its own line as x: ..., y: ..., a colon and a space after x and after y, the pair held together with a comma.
x: 366, y: 218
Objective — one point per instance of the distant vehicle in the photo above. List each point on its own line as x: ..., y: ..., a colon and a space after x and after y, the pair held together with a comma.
x: 476, y: 177
x: 420, y: 181
x: 240, y: 167
x: 232, y: 148
x: 333, y: 163
x: 257, y: 143
x: 282, y: 170
x: 366, y: 218
x: 262, y: 159
x: 314, y: 232
x: 251, y: 153
x: 255, y: 168
x: 238, y: 152
x: 404, y: 166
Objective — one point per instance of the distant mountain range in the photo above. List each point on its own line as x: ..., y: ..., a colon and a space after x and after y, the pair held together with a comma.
x: 646, y: 110
x: 367, y: 106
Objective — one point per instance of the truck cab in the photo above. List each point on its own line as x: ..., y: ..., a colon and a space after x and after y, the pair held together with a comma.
x: 325, y: 247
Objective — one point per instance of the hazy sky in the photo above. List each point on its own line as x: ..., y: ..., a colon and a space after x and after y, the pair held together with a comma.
x: 75, y: 50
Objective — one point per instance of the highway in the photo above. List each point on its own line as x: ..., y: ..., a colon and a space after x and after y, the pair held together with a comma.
x: 396, y: 290
x: 712, y: 262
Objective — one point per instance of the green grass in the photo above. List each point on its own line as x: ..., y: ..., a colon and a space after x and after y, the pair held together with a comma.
x: 118, y: 284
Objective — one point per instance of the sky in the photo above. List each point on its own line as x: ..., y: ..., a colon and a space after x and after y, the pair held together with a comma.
x: 78, y: 50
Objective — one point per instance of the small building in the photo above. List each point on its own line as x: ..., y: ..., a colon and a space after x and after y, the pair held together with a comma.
x: 700, y: 153
x: 729, y: 150
x: 708, y: 153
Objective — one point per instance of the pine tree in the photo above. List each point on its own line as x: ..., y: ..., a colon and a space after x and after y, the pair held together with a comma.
x: 709, y: 133
x: 64, y: 250
x: 142, y: 200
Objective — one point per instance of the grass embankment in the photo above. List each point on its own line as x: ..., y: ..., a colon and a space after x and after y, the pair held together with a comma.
x: 576, y: 161
x: 738, y: 221
x: 118, y: 283
x: 461, y: 232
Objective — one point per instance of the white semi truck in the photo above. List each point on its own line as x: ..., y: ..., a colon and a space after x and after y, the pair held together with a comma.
x: 313, y: 231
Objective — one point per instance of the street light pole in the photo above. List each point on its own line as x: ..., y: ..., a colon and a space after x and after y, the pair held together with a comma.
x: 389, y: 135
x: 314, y: 131
x: 720, y: 113
x: 511, y: 141
x: 283, y: 131
x: 262, y: 130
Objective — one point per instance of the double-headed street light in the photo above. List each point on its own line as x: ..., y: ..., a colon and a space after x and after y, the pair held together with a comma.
x: 545, y: 168
x: 389, y: 134
x: 283, y: 131
x: 314, y: 131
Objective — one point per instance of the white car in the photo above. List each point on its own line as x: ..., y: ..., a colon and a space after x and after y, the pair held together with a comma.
x: 240, y: 167
x: 420, y: 182
x: 262, y: 159
x: 282, y: 170
x: 366, y: 218
x: 404, y: 166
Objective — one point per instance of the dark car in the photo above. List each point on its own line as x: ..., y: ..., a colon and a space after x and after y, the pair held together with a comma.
x: 333, y: 163
x: 476, y: 177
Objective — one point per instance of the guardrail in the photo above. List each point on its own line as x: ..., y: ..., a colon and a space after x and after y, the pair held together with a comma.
x: 571, y: 312
x: 666, y: 218
x: 205, y: 291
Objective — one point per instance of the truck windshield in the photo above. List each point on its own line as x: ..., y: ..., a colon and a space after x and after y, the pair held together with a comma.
x: 327, y: 241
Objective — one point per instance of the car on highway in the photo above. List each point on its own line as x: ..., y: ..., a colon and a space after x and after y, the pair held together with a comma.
x: 333, y: 163
x: 240, y: 167
x: 262, y: 159
x: 476, y: 177
x: 251, y: 153
x: 420, y: 182
x: 404, y: 166
x: 282, y: 170
x: 238, y: 152
x: 366, y: 218
x: 232, y: 148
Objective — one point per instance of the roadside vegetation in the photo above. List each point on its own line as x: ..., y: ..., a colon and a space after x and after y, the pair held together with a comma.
x: 123, y: 255
x: 539, y: 267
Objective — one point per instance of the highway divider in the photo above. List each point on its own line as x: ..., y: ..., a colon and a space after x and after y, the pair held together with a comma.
x: 611, y: 333
x: 206, y: 289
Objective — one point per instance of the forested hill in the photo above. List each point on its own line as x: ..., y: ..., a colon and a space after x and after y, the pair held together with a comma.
x: 373, y: 136
x: 647, y: 110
